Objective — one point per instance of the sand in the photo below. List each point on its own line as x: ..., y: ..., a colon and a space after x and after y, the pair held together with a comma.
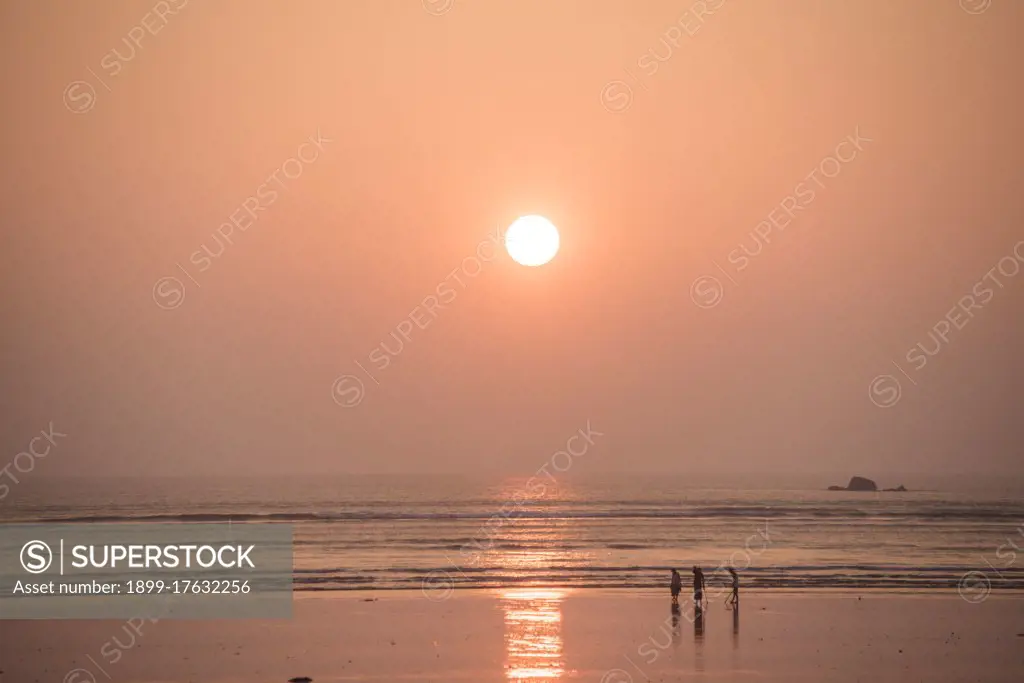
x: 542, y: 635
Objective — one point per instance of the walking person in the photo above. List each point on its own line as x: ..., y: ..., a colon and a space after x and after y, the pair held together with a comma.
x: 676, y: 586
x: 733, y: 600
x: 698, y: 588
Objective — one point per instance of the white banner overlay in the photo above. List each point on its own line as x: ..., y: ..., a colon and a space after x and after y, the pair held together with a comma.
x: 165, y: 571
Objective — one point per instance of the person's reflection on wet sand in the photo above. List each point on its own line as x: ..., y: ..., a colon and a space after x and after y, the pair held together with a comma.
x: 736, y: 626
x: 698, y: 639
x: 676, y: 630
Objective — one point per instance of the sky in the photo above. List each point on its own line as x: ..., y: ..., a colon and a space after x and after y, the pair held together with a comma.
x: 765, y: 208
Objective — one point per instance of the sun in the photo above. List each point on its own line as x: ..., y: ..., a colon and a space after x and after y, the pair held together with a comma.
x: 532, y: 240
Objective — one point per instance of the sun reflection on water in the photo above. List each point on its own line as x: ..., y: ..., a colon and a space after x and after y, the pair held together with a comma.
x: 533, y: 608
x: 533, y: 634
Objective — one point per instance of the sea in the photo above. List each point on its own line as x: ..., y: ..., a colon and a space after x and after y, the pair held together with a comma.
x: 451, y: 532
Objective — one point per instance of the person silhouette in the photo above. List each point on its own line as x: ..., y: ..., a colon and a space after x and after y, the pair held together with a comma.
x: 676, y: 586
x: 734, y: 599
x: 698, y: 588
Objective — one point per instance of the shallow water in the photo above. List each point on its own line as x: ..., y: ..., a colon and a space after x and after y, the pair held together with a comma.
x: 442, y: 533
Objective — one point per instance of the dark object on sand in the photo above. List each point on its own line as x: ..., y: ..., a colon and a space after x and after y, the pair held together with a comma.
x: 300, y: 679
x: 857, y: 484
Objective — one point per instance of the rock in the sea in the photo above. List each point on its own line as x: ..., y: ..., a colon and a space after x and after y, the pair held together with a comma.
x: 300, y: 679
x: 861, y: 484
x: 856, y: 484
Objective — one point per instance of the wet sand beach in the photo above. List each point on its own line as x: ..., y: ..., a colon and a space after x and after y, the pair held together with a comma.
x: 544, y: 634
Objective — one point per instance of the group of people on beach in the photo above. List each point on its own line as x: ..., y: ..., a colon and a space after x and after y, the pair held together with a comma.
x: 731, y: 601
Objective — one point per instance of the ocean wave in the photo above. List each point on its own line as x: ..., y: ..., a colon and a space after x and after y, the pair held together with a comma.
x: 631, y: 577
x: 796, y: 513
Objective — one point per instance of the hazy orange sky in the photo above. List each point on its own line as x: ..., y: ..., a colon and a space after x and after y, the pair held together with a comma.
x: 447, y: 121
